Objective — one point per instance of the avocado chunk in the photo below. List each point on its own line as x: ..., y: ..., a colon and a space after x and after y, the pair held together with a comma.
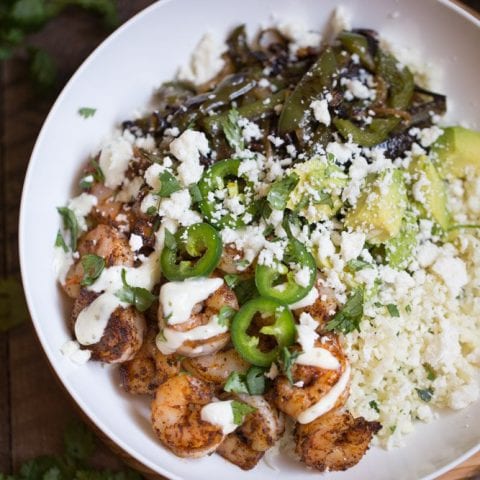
x: 399, y: 250
x: 429, y: 192
x: 380, y: 208
x: 457, y: 149
x: 317, y: 193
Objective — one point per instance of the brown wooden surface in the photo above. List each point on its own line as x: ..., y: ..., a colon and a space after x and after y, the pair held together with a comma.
x: 34, y: 409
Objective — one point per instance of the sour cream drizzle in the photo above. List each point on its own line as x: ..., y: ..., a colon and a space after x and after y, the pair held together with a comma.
x: 220, y: 414
x: 328, y: 401
x: 177, y: 299
x: 92, y: 321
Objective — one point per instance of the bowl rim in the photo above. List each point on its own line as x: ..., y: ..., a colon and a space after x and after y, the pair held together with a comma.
x: 455, y: 5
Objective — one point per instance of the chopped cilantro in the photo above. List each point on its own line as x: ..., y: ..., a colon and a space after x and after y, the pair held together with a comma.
x: 170, y: 241
x: 225, y: 314
x: 287, y: 359
x: 232, y: 280
x: 373, y: 404
x: 425, y: 394
x: 140, y: 297
x: 60, y: 242
x: 70, y: 223
x: 232, y: 130
x: 393, y: 310
x: 93, y: 266
x: 236, y: 383
x: 240, y: 411
x: 86, y: 112
x: 356, y: 265
x: 280, y: 190
x: 348, y: 319
x: 168, y: 184
x: 431, y: 374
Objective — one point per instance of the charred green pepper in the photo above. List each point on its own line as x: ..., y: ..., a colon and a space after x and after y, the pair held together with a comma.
x: 368, y: 136
x: 309, y: 88
x: 193, y: 251
x: 248, y: 345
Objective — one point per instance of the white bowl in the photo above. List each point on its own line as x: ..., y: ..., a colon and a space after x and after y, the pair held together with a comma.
x: 119, y: 77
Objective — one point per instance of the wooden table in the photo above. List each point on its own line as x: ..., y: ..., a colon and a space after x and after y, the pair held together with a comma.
x: 33, y: 407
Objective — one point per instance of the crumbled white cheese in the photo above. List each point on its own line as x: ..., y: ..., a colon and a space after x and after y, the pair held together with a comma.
x: 135, y: 242
x: 453, y: 273
x: 354, y: 88
x: 299, y: 36
x: 172, y: 132
x: 302, y: 277
x: 152, y: 175
x: 114, y: 159
x: 206, y: 62
x: 187, y: 148
x: 71, y: 350
x: 352, y: 244
x: 130, y: 189
x: 320, y: 111
x: 177, y: 207
x: 250, y: 130
x: 81, y: 207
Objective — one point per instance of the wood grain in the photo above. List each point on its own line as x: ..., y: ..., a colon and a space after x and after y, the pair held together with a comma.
x: 34, y: 408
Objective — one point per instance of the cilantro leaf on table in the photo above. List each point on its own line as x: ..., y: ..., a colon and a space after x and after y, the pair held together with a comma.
x: 20, y: 18
x: 13, y: 308
x: 79, y: 446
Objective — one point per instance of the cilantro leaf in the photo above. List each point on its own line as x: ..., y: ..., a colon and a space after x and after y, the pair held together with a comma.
x: 240, y: 411
x: 255, y: 379
x: 87, y: 112
x: 60, y: 242
x: 93, y: 266
x: 431, y: 374
x: 43, y: 69
x: 168, y: 184
x: 79, y: 441
x: 245, y: 290
x: 232, y: 280
x: 393, y: 310
x: 425, y: 394
x: 70, y: 223
x: 236, y: 383
x: 348, y: 319
x: 170, y: 241
x: 287, y: 359
x: 13, y: 308
x: 356, y: 265
x: 280, y: 191
x: 225, y: 314
x: 195, y: 193
x: 97, y: 174
x: 373, y: 404
x: 232, y: 130
x: 139, y: 297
